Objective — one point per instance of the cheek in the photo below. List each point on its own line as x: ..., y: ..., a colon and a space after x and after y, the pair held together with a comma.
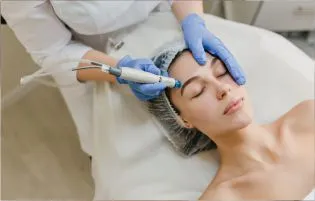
x: 229, y: 80
x: 201, y: 110
x: 248, y: 105
x: 247, y: 102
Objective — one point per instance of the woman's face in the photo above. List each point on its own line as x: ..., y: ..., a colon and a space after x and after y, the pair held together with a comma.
x: 209, y: 100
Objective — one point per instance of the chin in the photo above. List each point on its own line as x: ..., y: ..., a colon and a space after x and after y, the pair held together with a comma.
x: 240, y: 120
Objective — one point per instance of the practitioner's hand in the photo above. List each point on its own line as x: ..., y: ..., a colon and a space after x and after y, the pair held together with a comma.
x: 143, y: 92
x: 198, y: 39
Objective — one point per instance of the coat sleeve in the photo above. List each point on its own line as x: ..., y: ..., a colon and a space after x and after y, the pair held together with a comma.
x: 43, y: 35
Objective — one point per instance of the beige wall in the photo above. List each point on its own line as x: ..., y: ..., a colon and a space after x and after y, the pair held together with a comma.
x: 243, y: 11
x: 214, y: 7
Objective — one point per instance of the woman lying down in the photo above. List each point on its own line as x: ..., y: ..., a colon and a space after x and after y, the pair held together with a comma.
x: 271, y: 162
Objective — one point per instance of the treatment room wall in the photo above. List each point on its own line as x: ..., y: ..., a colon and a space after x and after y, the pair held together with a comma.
x: 214, y: 7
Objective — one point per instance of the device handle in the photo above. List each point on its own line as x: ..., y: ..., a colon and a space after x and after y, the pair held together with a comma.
x: 139, y: 76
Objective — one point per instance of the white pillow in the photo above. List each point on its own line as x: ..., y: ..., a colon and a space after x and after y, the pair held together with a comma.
x: 132, y: 160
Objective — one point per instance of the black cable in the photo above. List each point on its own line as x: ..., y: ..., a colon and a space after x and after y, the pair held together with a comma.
x: 3, y: 20
x: 86, y: 67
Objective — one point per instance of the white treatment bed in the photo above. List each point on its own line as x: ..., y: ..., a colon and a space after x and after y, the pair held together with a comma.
x: 141, y: 164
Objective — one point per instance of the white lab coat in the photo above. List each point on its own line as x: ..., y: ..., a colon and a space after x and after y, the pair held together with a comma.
x: 40, y: 27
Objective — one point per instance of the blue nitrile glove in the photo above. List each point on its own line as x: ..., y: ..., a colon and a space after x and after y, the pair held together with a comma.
x: 143, y: 92
x: 198, y: 39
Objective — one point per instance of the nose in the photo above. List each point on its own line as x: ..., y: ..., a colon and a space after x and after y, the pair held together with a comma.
x: 219, y: 88
x: 222, y: 91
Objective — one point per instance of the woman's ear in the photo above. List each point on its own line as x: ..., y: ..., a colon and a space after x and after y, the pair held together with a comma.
x: 187, y: 124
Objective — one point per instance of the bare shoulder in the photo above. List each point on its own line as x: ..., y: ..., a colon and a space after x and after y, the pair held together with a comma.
x: 219, y: 193
x: 301, y: 117
x: 304, y: 108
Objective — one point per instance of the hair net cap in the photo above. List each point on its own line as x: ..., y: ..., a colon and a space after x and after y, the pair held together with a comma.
x: 188, y: 141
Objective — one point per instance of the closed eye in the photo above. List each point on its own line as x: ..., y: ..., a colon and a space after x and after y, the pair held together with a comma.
x: 223, y: 74
x: 200, y: 93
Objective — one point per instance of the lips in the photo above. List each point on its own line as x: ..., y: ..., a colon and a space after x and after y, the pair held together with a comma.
x: 233, y: 106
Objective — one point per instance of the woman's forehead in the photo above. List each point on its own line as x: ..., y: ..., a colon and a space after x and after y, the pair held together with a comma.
x: 185, y: 66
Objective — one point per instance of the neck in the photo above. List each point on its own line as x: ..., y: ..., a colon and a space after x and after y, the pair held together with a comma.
x: 248, y: 148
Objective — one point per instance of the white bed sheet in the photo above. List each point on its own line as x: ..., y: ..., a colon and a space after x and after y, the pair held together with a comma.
x: 138, y: 164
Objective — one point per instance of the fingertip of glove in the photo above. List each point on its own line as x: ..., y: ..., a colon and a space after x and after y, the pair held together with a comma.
x: 160, y: 86
x: 121, y: 81
x: 164, y: 73
x: 241, y: 80
x: 153, y: 69
x: 123, y: 60
x: 201, y: 60
x: 200, y: 57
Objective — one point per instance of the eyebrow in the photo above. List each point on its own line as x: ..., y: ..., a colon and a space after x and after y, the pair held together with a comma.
x: 187, y: 83
x: 190, y: 80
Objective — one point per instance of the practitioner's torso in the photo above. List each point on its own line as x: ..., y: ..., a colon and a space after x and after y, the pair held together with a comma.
x: 99, y: 17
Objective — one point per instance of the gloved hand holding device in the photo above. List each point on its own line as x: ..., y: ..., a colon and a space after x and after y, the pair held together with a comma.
x: 142, y: 91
